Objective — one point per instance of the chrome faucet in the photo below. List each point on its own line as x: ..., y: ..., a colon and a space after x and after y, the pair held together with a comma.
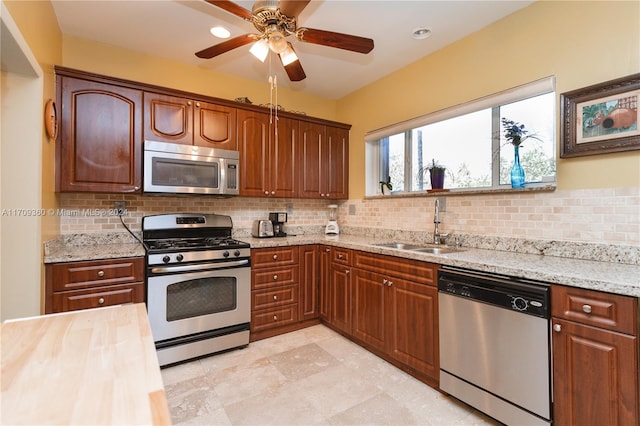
x: 438, y: 238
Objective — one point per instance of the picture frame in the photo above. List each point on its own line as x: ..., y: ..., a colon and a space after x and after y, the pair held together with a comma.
x: 600, y: 119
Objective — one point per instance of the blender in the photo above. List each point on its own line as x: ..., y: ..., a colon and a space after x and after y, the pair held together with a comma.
x: 332, y: 226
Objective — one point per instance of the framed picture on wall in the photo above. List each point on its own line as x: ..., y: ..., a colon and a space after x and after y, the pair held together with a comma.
x: 600, y: 119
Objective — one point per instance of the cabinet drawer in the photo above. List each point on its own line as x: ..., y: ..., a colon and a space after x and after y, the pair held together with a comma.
x: 412, y: 270
x: 341, y: 256
x: 77, y: 275
x: 605, y: 310
x: 270, y: 257
x: 277, y: 276
x: 275, y: 317
x: 263, y: 299
x: 85, y: 299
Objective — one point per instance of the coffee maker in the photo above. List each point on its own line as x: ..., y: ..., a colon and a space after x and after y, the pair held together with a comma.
x: 278, y: 219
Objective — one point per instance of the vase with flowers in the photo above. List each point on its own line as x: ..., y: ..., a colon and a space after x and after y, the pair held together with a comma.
x: 515, y: 133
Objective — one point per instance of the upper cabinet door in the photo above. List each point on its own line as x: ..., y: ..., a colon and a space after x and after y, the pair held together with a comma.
x: 168, y: 119
x: 253, y: 144
x: 282, y: 158
x: 310, y: 164
x: 214, y: 126
x: 100, y: 147
x: 338, y: 162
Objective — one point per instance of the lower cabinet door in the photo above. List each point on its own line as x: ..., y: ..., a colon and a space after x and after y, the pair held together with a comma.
x: 595, y: 380
x: 368, y: 304
x: 109, y: 296
x: 413, y: 339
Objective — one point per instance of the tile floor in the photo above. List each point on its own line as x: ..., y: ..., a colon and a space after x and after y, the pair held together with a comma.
x: 312, y: 376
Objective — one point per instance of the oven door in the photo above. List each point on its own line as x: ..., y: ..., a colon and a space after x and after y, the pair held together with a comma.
x: 187, y: 303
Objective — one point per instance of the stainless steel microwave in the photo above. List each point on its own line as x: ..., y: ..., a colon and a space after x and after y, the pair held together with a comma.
x: 188, y: 169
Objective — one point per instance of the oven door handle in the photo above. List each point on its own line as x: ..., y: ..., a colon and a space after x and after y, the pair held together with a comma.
x: 198, y: 267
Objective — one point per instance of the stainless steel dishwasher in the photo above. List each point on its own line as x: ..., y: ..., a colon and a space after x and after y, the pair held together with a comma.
x: 494, y: 344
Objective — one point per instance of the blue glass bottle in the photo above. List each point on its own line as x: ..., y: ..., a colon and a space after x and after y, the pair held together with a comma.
x: 517, y: 172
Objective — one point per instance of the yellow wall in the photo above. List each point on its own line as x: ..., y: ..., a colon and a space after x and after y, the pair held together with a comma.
x: 113, y: 61
x: 39, y: 27
x: 581, y: 43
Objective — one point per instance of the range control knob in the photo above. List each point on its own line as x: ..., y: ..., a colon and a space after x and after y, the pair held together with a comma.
x: 166, y: 259
x: 180, y: 258
x: 519, y: 304
x: 225, y: 253
x: 236, y: 253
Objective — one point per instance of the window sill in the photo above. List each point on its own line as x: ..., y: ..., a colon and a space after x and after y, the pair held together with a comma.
x: 463, y: 191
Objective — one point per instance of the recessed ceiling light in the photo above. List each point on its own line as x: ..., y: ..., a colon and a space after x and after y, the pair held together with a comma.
x: 220, y: 32
x: 421, y: 33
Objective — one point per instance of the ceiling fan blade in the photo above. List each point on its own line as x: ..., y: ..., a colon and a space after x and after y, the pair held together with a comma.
x: 338, y: 40
x: 225, y: 46
x: 292, y: 8
x: 294, y: 69
x: 231, y: 7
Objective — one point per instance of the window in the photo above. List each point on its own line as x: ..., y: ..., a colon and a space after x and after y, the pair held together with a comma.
x: 468, y: 140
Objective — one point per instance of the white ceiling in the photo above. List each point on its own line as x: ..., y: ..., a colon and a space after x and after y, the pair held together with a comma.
x: 176, y: 29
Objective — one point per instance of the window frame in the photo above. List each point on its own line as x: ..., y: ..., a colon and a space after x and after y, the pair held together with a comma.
x: 373, y: 158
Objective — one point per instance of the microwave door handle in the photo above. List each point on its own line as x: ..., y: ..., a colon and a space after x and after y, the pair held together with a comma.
x: 198, y: 267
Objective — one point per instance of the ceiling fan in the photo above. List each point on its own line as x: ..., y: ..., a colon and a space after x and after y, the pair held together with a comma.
x: 275, y: 21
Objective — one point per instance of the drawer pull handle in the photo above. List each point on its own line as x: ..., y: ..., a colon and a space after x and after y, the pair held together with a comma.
x: 275, y: 297
x: 275, y: 278
x: 557, y: 328
x: 101, y: 301
x: 275, y: 318
x: 586, y: 309
x: 101, y: 273
x: 275, y: 257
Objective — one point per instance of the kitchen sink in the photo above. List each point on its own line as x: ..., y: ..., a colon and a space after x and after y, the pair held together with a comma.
x: 433, y: 249
x: 399, y: 246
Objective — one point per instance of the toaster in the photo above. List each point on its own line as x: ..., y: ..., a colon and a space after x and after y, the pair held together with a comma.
x: 262, y: 229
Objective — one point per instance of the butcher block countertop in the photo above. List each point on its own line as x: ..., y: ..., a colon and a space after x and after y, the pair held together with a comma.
x: 96, y: 366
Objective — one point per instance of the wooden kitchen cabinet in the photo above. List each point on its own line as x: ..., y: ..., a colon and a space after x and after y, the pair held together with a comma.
x: 595, y: 357
x: 339, y: 291
x: 324, y: 285
x: 267, y: 157
x: 100, y: 140
x: 395, y: 310
x: 275, y: 290
x: 187, y: 121
x: 309, y: 282
x: 71, y: 286
x: 324, y: 161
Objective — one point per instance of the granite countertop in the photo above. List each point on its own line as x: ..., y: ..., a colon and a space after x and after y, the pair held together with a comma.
x: 610, y: 276
x: 595, y: 275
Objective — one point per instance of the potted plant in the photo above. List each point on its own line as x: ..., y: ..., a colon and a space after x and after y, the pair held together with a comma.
x: 515, y: 134
x: 436, y: 174
x: 386, y: 186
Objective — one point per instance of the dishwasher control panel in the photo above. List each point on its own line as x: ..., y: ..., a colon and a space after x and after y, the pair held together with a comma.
x: 524, y: 296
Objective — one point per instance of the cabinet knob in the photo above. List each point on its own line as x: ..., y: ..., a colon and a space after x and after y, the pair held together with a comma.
x: 101, y: 273
x: 390, y: 283
x: 340, y: 256
x: 275, y: 318
x: 347, y: 271
x: 275, y: 297
x: 273, y: 192
x: 586, y: 309
x: 266, y: 192
x: 275, y: 278
x: 557, y: 328
x: 384, y: 281
x: 327, y: 250
x: 275, y: 257
x: 197, y: 104
x: 189, y: 103
x: 101, y: 301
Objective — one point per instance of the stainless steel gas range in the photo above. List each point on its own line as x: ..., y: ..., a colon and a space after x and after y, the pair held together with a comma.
x: 198, y: 285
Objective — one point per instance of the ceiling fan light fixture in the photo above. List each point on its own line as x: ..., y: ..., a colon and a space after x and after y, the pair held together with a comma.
x: 220, y: 32
x: 421, y: 33
x: 260, y: 49
x: 277, y: 42
x: 288, y: 56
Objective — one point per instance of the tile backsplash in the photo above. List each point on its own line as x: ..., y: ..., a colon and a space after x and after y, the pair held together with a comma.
x: 604, y: 216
